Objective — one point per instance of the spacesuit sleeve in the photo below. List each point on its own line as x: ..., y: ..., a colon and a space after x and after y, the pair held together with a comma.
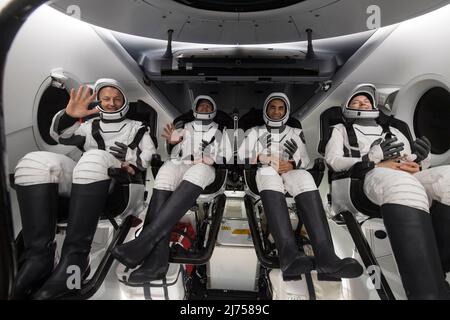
x: 67, y: 130
x: 300, y: 157
x: 247, y: 152
x: 141, y: 156
x: 334, y: 152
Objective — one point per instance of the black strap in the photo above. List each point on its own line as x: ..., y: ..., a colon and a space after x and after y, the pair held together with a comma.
x: 352, y: 140
x: 386, y: 126
x: 310, y: 284
x: 138, y: 137
x: 96, y: 134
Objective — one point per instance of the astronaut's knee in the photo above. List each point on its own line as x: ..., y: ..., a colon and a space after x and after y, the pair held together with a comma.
x: 167, y: 177
x: 298, y: 181
x: 37, y: 168
x: 93, y: 167
x: 265, y: 180
x: 200, y: 174
x: 406, y: 190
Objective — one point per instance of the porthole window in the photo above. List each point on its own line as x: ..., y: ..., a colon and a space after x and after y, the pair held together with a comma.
x: 52, y: 100
x: 432, y: 119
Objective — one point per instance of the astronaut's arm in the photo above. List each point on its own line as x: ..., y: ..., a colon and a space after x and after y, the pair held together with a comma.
x: 141, y: 155
x: 67, y: 130
x: 247, y: 151
x: 334, y: 153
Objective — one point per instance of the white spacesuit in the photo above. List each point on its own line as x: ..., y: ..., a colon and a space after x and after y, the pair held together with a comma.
x: 108, y: 141
x: 178, y: 184
x: 404, y: 198
x: 271, y: 146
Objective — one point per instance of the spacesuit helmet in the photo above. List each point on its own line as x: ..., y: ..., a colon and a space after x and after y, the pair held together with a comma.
x: 201, y: 115
x: 118, y: 114
x: 276, y: 123
x: 359, y: 108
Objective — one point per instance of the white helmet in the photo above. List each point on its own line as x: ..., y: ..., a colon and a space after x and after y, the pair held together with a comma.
x: 368, y: 90
x: 115, y: 115
x: 204, y: 116
x: 276, y: 123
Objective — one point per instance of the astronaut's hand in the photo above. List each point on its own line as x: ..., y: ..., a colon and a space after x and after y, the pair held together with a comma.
x: 264, y: 158
x: 384, y: 150
x: 290, y: 147
x: 285, y: 166
x: 120, y: 152
x: 391, y: 164
x: 128, y: 168
x: 409, y: 166
x: 171, y: 135
x: 78, y: 106
x: 421, y: 149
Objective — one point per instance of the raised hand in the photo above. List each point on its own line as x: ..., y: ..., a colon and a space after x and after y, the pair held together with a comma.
x: 171, y: 135
x: 384, y: 150
x: 78, y: 106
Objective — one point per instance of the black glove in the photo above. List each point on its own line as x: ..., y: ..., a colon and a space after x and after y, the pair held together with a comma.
x: 290, y: 147
x: 206, y: 143
x: 421, y: 148
x: 266, y: 140
x: 120, y: 152
x: 384, y: 150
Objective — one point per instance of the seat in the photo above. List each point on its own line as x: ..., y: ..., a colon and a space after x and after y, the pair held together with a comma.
x: 124, y: 203
x: 209, y: 206
x: 347, y: 198
x: 263, y: 246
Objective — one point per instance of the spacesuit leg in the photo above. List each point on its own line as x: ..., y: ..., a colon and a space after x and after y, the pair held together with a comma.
x: 293, y: 262
x: 404, y: 207
x: 196, y: 178
x: 88, y: 197
x: 156, y: 263
x: 436, y: 182
x: 300, y: 184
x: 38, y: 176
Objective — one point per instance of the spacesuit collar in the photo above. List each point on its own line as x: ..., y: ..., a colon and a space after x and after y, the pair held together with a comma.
x: 111, y: 120
x: 276, y: 129
x: 366, y: 122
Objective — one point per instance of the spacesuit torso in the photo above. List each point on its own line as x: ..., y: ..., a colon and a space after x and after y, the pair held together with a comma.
x: 257, y: 141
x: 98, y: 134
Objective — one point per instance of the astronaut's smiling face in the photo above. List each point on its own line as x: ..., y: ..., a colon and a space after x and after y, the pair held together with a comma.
x: 360, y: 102
x: 111, y: 99
x: 276, y: 109
x: 204, y: 106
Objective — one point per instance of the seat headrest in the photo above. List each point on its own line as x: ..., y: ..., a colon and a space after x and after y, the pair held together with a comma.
x: 142, y: 111
x: 254, y: 118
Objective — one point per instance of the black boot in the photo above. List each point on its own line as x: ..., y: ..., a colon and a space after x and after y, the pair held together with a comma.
x: 133, y: 253
x: 440, y: 215
x: 293, y: 262
x: 38, y: 209
x: 156, y: 264
x: 87, y: 202
x: 310, y: 207
x: 412, y: 240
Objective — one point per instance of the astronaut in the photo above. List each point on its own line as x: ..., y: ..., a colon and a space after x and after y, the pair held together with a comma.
x: 281, y: 154
x: 182, y: 178
x: 402, y: 183
x: 109, y: 140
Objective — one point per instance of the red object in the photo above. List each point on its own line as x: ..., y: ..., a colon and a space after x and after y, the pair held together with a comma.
x: 183, y: 235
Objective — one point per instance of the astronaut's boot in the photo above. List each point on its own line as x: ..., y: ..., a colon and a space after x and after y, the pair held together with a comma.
x: 38, y: 209
x: 310, y: 207
x: 293, y: 262
x: 411, y: 234
x: 133, y: 253
x: 155, y: 265
x: 440, y: 215
x: 87, y: 202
